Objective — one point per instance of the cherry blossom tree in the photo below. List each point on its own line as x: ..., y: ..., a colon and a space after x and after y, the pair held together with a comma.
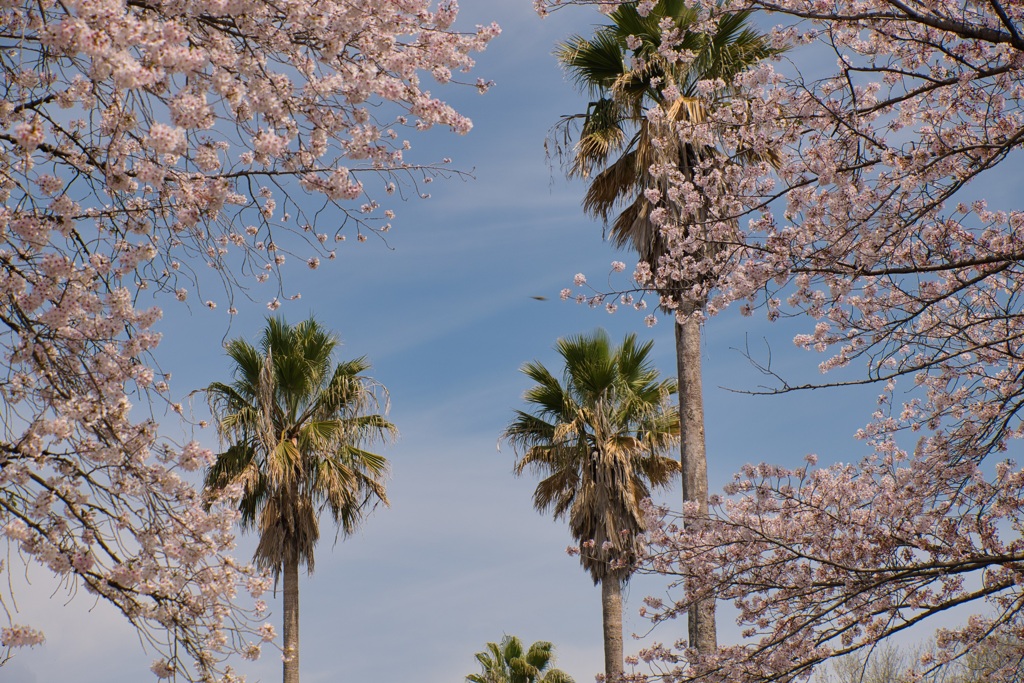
x: 875, y: 225
x: 144, y: 143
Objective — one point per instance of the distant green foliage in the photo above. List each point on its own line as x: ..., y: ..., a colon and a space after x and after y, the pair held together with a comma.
x: 507, y: 662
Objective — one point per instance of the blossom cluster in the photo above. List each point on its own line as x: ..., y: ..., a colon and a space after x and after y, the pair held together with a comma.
x: 853, y: 192
x: 822, y: 562
x: 141, y: 143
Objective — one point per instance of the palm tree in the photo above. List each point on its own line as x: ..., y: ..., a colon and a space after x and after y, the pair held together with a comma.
x: 508, y: 663
x: 622, y: 69
x: 598, y: 438
x: 295, y: 425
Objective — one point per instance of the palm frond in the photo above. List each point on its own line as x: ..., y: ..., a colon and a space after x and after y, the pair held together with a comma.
x: 557, y: 676
x: 526, y: 430
x: 615, y: 185
x: 229, y: 466
x: 556, y: 492
x: 689, y: 109
x: 592, y: 64
x: 659, y: 470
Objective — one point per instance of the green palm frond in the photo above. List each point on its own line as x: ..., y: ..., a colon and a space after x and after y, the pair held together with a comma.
x: 527, y: 429
x: 540, y: 654
x: 511, y: 648
x: 372, y: 464
x: 592, y: 64
x: 557, y: 676
x: 522, y: 671
x: 229, y: 466
x: 368, y: 428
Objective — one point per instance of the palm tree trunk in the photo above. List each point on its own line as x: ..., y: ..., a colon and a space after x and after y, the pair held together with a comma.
x: 291, y: 620
x: 694, y: 461
x: 611, y: 612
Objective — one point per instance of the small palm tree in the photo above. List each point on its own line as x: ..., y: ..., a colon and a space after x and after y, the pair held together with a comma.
x: 599, y: 438
x: 295, y: 425
x: 507, y: 662
x: 623, y: 69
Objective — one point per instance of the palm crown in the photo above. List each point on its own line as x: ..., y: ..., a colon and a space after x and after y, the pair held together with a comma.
x: 624, y: 69
x: 296, y: 424
x: 509, y: 662
x: 600, y: 438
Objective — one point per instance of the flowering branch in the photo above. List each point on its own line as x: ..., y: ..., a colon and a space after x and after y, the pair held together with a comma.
x: 143, y: 143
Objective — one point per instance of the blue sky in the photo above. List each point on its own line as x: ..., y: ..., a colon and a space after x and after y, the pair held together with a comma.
x: 444, y: 312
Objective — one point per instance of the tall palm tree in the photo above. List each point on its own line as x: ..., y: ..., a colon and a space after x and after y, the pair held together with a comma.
x: 508, y: 662
x: 621, y: 67
x: 599, y: 438
x: 295, y: 425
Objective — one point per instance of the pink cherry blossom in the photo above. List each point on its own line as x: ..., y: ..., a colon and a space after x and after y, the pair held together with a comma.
x: 135, y: 140
x: 849, y: 186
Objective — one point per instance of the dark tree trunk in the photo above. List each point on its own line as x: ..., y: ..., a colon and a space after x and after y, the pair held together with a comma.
x: 611, y: 612
x: 694, y: 461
